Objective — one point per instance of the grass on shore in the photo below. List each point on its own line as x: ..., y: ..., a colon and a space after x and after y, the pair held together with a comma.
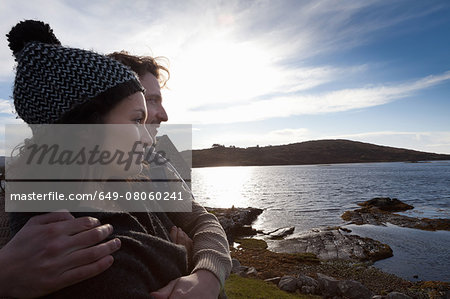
x: 237, y: 287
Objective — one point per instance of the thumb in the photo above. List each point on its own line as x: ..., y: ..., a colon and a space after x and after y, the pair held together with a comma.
x: 164, y: 293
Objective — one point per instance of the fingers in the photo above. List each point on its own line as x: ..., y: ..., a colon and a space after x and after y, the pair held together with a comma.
x: 178, y: 236
x: 173, y: 234
x: 78, y: 274
x: 51, y: 217
x: 90, y: 237
x: 181, y: 237
x: 165, y: 292
x: 79, y: 225
x: 92, y: 254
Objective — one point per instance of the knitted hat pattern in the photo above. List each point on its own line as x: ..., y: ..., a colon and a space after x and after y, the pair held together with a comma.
x: 52, y: 79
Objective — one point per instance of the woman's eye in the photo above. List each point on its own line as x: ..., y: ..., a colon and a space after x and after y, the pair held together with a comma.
x: 139, y: 121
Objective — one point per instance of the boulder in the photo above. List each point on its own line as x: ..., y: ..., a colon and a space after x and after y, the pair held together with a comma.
x: 333, y: 244
x: 354, y: 290
x: 236, y: 221
x: 288, y: 284
x: 308, y: 290
x: 328, y: 286
x: 387, y: 204
x: 235, y: 264
x: 281, y: 232
x: 303, y: 280
x: 375, y: 216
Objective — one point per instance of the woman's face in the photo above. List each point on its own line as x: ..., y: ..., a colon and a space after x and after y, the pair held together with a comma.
x: 127, y: 134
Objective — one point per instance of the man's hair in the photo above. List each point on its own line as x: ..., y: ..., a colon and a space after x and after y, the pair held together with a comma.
x: 143, y: 64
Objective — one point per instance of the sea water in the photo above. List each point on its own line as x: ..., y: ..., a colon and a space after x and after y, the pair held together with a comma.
x: 313, y: 196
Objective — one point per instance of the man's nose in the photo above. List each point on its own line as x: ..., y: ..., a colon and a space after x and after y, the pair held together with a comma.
x: 162, y: 114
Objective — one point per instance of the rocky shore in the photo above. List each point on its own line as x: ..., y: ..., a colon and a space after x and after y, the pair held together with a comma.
x: 334, y: 243
x: 331, y: 263
x: 337, y: 278
x: 379, y: 211
x: 236, y: 221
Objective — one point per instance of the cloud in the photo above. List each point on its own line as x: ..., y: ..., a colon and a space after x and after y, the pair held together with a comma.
x: 284, y: 106
x: 6, y: 106
x: 234, y: 61
x: 271, y: 30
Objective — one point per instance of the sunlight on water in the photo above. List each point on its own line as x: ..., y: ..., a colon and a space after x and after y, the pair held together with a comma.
x: 223, y: 186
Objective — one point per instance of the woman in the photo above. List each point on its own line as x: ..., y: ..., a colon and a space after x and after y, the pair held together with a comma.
x: 56, y: 84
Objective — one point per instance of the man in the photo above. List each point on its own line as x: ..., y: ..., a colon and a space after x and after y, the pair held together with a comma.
x: 210, y: 252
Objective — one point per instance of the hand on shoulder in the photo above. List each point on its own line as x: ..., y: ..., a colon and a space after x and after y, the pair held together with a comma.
x: 53, y: 251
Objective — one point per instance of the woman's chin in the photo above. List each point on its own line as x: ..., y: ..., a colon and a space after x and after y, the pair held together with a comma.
x: 133, y: 170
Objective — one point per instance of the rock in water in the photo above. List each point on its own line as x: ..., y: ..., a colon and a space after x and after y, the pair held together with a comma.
x: 281, y: 232
x: 379, y: 211
x: 236, y: 221
x: 387, y: 204
x: 332, y: 244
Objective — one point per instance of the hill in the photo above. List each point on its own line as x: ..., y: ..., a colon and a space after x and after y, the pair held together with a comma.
x: 309, y: 152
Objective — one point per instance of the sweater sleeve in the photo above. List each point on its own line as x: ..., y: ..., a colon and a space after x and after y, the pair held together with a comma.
x: 210, y: 245
x: 211, y: 250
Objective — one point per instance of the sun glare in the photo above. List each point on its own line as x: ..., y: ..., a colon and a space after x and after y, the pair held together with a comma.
x: 220, y: 71
x: 225, y: 184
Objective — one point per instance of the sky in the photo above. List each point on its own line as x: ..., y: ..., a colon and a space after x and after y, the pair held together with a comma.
x: 249, y: 73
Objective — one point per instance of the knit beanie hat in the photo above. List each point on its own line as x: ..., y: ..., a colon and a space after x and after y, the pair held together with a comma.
x: 52, y: 79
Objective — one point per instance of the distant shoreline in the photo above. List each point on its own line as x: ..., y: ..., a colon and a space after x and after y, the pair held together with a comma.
x: 317, y: 152
x: 328, y: 164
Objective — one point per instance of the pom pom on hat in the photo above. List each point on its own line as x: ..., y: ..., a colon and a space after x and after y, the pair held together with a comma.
x: 30, y: 31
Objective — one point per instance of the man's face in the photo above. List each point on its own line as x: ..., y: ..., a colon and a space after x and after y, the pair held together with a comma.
x: 155, y: 110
